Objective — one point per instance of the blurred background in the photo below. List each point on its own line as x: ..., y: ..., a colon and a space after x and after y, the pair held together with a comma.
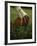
x: 20, y: 32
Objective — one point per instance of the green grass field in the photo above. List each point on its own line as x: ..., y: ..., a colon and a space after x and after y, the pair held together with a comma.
x: 21, y: 32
